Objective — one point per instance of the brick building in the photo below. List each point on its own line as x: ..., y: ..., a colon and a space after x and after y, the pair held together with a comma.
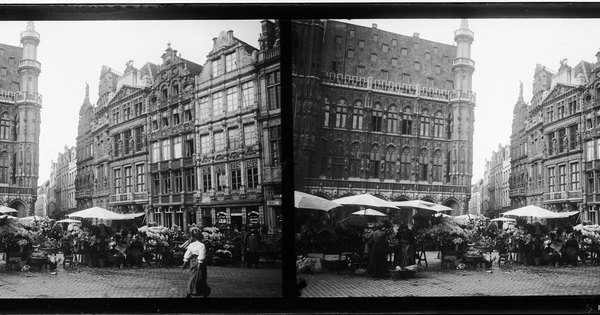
x: 382, y: 113
x: 20, y: 105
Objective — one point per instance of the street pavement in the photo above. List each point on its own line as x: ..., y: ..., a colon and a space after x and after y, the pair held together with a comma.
x: 144, y: 282
x: 512, y: 280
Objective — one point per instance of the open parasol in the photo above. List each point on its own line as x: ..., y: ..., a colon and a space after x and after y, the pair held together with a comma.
x: 308, y: 201
x: 96, y: 213
x: 366, y: 200
x: 532, y: 211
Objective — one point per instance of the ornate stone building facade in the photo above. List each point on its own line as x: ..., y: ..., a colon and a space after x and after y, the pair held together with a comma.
x: 497, y: 174
x: 20, y: 105
x: 382, y: 113
x: 65, y: 171
x: 590, y: 132
x: 187, y: 143
x: 548, y: 154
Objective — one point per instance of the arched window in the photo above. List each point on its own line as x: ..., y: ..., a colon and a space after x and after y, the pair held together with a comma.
x: 392, y: 119
x: 424, y: 163
x: 357, y: 116
x: 425, y: 123
x: 375, y: 161
x: 4, y: 163
x: 407, y: 121
x: 376, y: 118
x: 355, y: 160
x: 391, y: 156
x: 437, y: 166
x: 4, y: 126
x: 405, y: 164
x: 341, y: 114
x: 438, y: 125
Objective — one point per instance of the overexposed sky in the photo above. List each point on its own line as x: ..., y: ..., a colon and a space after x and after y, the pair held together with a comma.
x: 505, y: 52
x: 73, y: 53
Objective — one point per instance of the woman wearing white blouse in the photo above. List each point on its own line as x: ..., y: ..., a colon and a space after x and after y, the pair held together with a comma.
x: 195, y: 255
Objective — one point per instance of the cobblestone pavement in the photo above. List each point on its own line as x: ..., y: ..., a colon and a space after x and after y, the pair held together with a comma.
x: 516, y: 280
x: 144, y: 282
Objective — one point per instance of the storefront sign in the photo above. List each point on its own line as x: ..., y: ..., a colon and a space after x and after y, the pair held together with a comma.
x: 253, y: 217
x: 222, y: 218
x: 274, y: 202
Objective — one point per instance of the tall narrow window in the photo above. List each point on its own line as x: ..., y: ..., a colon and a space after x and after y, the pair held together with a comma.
x: 273, y: 90
x: 406, y: 124
x: 166, y: 149
x: 177, y: 147
x: 4, y: 126
x: 189, y: 145
x: 128, y: 179
x: 139, y: 138
x: 217, y: 67
x: 204, y: 144
x: 574, y: 176
x: 190, y: 180
x: 4, y: 167
x: 221, y: 177
x: 438, y: 125
x: 562, y: 179
x: 219, y: 140
x: 252, y: 174
x: 217, y: 103
x: 357, y: 119
x: 206, y: 179
x: 117, y: 176
x: 140, y: 178
x: 376, y: 121
x: 392, y: 120
x: 155, y: 152
x: 236, y: 176
x: 425, y: 125
x: 230, y: 62
x: 166, y: 179
x: 551, y: 179
x: 275, y: 139
x: 249, y: 134
x: 204, y: 109
x: 247, y: 94
x: 178, y: 181
x: 234, y: 138
x: 232, y: 99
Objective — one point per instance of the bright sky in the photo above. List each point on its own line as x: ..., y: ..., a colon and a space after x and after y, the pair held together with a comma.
x: 73, y: 52
x: 505, y: 52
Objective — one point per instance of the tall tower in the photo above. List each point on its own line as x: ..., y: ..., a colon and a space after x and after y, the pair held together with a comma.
x: 28, y: 104
x: 462, y: 101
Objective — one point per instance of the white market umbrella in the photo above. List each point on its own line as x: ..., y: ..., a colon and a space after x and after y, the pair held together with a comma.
x: 566, y: 214
x: 308, y: 201
x: 96, y: 213
x: 532, y: 211
x: 503, y: 220
x: 366, y: 200
x: 7, y: 210
x: 130, y: 216
x: 68, y: 221
x: 369, y: 212
x: 421, y: 204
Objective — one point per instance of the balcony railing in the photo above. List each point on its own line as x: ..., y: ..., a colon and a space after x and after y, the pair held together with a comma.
x: 461, y: 31
x: 267, y: 55
x: 29, y: 63
x: 28, y: 97
x: 17, y: 191
x: 7, y: 96
x: 129, y: 197
x: 463, y: 61
x: 459, y: 95
x: 563, y: 195
x: 385, y: 186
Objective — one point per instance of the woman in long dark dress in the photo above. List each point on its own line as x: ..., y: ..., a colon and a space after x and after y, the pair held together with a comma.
x: 377, y: 267
x: 405, y: 251
x: 194, y: 256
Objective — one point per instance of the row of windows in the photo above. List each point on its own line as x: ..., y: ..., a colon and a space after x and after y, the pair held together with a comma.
x: 233, y: 175
x: 126, y: 181
x: 563, y: 140
x: 230, y: 64
x: 562, y: 110
x: 128, y: 141
x: 230, y: 101
x: 228, y: 139
x: 394, y: 43
x: 128, y: 111
x: 562, y: 177
x: 406, y: 78
x: 172, y: 117
x: 173, y: 148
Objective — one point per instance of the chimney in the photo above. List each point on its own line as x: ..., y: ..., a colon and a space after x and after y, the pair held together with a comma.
x: 416, y: 35
x: 214, y: 43
x: 374, y: 26
x: 230, y: 36
x: 268, y: 33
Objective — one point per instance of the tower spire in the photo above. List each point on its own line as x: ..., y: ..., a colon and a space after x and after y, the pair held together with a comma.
x: 87, y: 93
x: 520, y: 91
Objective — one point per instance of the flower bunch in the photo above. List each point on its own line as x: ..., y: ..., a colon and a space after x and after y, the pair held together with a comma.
x: 176, y: 233
x: 590, y: 233
x: 305, y: 265
x: 447, y: 232
x: 213, y: 238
